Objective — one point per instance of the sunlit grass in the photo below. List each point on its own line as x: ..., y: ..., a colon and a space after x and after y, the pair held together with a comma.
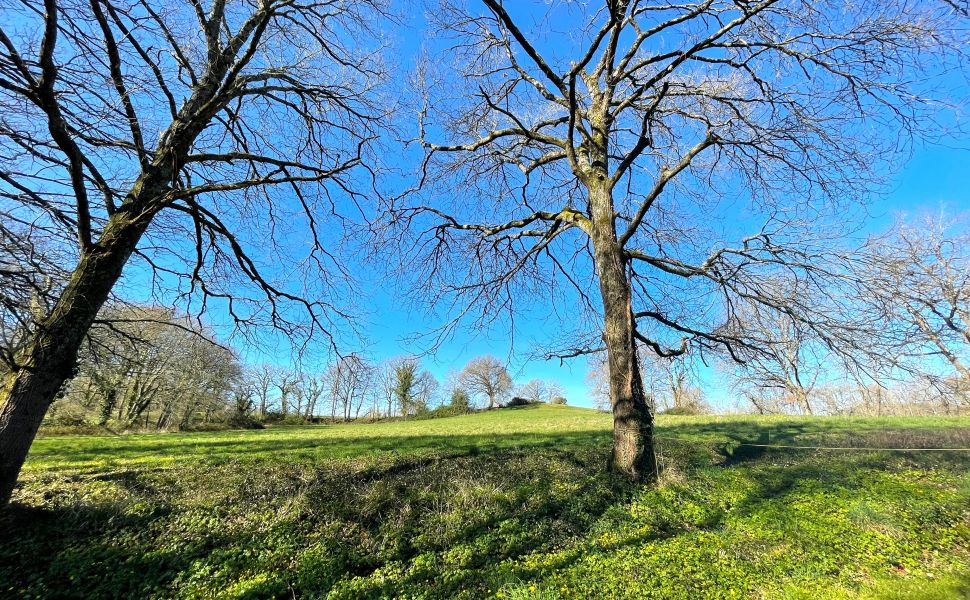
x: 511, y: 503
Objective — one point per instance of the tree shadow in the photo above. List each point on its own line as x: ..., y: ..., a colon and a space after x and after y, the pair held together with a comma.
x: 110, y: 534
x: 358, y: 506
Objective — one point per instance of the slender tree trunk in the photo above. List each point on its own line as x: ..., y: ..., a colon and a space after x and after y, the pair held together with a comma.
x: 163, y: 417
x: 49, y: 356
x: 633, y: 445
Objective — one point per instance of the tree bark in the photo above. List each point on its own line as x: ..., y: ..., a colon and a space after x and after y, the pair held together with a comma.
x: 633, y: 453
x: 49, y: 356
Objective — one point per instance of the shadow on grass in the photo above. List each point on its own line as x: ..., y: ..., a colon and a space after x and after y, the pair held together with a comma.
x: 411, y: 506
x: 138, y: 530
x: 737, y: 442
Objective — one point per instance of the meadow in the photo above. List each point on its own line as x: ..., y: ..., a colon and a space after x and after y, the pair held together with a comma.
x: 510, y: 503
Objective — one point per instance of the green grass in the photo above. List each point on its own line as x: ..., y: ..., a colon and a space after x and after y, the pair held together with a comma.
x: 511, y: 503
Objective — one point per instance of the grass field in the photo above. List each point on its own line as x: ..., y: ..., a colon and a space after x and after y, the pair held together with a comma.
x: 511, y: 503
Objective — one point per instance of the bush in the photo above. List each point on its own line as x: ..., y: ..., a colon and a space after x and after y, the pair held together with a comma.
x: 82, y: 429
x: 461, y: 403
x: 688, y: 410
x: 244, y: 421
x: 277, y: 418
x: 69, y: 420
x: 517, y: 401
x: 559, y: 400
x: 272, y: 416
x: 293, y: 420
x: 64, y: 413
x: 449, y: 410
x: 438, y: 413
x: 203, y: 427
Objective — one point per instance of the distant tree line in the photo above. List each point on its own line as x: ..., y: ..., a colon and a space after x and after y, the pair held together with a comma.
x: 147, y: 368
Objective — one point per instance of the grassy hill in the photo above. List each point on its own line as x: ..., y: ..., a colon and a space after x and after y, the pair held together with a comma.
x: 511, y: 503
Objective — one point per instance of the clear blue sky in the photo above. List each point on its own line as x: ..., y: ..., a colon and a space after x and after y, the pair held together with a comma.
x: 935, y: 177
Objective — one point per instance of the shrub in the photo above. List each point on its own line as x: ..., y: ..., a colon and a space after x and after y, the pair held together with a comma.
x: 461, y: 403
x: 82, y: 429
x: 203, y: 427
x: 559, y: 400
x: 272, y: 416
x: 68, y: 420
x: 686, y: 410
x: 517, y: 401
x: 448, y: 410
x: 244, y: 421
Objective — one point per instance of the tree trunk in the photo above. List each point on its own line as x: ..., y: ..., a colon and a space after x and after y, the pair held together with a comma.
x: 800, y: 398
x: 633, y: 445
x: 49, y: 356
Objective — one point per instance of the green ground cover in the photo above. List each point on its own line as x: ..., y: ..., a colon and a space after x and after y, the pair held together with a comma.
x: 512, y: 503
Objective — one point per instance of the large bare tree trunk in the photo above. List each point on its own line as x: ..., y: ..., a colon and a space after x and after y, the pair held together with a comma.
x: 49, y: 356
x: 633, y: 445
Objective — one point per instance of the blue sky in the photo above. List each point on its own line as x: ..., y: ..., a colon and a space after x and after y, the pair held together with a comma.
x: 934, y: 178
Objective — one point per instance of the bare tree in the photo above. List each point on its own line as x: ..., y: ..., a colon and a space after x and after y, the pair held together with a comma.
x: 919, y: 276
x: 487, y: 377
x: 922, y: 278
x: 262, y: 380
x: 668, y: 382
x: 144, y: 362
x: 555, y: 394
x: 349, y: 382
x: 286, y: 381
x: 672, y: 382
x: 598, y: 382
x: 180, y: 135
x: 679, y: 157
x: 28, y: 275
x: 534, y: 390
x: 787, y: 366
x: 384, y: 387
x: 537, y: 390
x: 312, y: 390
